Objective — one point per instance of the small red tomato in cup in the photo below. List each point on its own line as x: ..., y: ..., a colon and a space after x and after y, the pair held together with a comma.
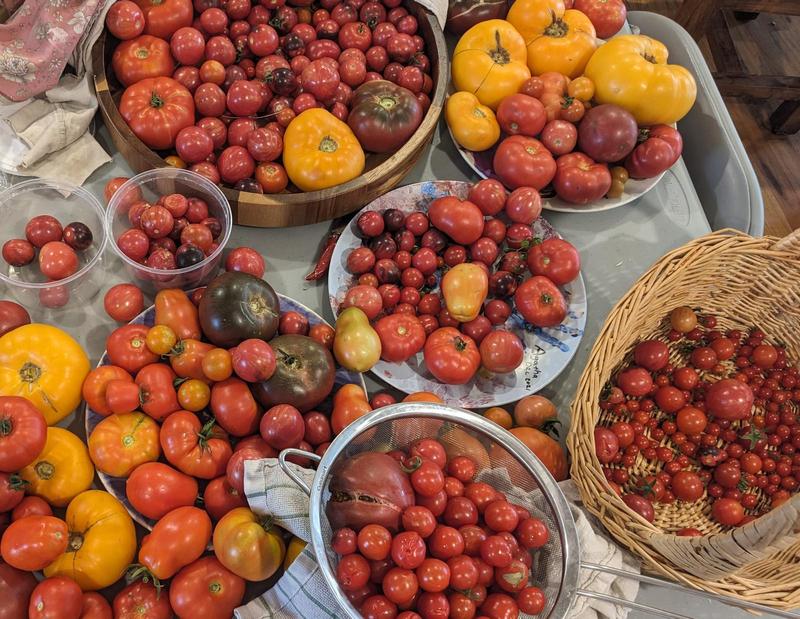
x: 43, y: 229
x: 57, y: 260
x: 18, y: 252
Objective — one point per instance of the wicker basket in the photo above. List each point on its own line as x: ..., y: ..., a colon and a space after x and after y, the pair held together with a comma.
x: 745, y: 282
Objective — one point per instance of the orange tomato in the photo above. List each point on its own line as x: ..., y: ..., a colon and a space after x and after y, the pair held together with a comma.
x: 423, y: 396
x: 548, y: 450
x: 248, y: 545
x: 535, y: 411
x: 500, y: 416
x: 175, y: 310
x: 349, y: 403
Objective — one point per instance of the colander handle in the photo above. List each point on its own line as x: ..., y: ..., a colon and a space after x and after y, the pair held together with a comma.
x: 288, y: 470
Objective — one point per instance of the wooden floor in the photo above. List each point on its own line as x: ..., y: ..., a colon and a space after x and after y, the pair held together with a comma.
x: 768, y: 44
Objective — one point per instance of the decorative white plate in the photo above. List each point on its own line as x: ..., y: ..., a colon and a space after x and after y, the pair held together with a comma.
x: 481, y: 162
x: 547, y: 351
x: 116, y: 485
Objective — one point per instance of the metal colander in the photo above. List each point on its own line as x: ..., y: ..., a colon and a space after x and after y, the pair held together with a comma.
x: 512, y: 469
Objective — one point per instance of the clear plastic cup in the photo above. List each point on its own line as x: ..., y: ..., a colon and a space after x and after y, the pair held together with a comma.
x: 151, y: 185
x: 67, y: 203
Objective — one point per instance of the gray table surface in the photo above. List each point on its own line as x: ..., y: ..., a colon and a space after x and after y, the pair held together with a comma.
x: 616, y: 246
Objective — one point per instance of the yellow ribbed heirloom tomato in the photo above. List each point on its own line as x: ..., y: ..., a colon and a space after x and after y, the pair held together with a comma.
x: 556, y: 39
x: 45, y: 366
x: 472, y: 124
x: 321, y: 151
x: 102, y: 541
x: 632, y: 71
x: 490, y: 62
x: 62, y: 471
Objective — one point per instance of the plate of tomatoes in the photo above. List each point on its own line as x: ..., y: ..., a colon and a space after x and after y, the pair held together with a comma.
x: 205, y: 462
x: 582, y: 157
x: 470, y: 347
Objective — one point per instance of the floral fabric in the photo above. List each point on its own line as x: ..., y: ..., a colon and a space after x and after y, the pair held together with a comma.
x: 37, y: 41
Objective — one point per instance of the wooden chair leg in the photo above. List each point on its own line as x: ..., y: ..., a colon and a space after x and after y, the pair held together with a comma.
x: 786, y: 119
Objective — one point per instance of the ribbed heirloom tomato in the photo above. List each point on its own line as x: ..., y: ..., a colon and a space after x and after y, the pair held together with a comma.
x: 197, y: 449
x: 156, y: 109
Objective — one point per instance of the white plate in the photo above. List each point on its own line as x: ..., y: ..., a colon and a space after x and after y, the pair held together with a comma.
x: 547, y: 351
x: 481, y: 162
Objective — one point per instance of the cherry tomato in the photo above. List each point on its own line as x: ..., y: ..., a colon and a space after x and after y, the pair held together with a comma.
x: 728, y: 512
x: 419, y: 519
x: 57, y: 260
x: 433, y: 575
x: 43, y: 229
x: 18, y: 252
x: 375, y: 542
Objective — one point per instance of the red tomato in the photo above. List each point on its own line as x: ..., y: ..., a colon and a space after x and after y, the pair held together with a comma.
x: 245, y: 260
x: 31, y: 506
x: 452, y: 357
x: 23, y: 431
x: 521, y: 161
x: 15, y: 592
x: 127, y: 349
x: 139, y: 600
x: 540, y: 302
x: 57, y: 260
x: 220, y: 497
x: 12, y: 490
x: 140, y: 58
x: 531, y: 600
x: 607, y: 16
x: 556, y: 259
x: 659, y: 152
x: 606, y: 445
x: 730, y: 399
x: 125, y: 20
x: 728, y: 512
x: 193, y: 144
x: 176, y: 540
x: 501, y: 351
x: 640, y: 505
x: 461, y: 220
x: 155, y: 488
x: 635, y: 382
x: 156, y: 109
x: 163, y: 17
x: 559, y: 137
x: 691, y: 420
x: 206, y: 589
x: 402, y: 336
x: 156, y: 386
x: 58, y: 597
x: 188, y: 46
x: 282, y: 426
x: 520, y: 114
x: 687, y: 486
x: 580, y: 180
x: 489, y: 195
x: 235, y: 164
x: 95, y: 606
x: 193, y: 448
x: 244, y: 97
x: 400, y: 586
x: 234, y: 406
x: 651, y: 355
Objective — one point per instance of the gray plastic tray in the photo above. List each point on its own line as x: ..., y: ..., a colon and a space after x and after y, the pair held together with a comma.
x: 617, y: 246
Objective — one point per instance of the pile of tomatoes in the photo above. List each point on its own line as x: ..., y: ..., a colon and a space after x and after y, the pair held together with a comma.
x: 229, y: 78
x: 437, y: 544
x: 58, y: 246
x: 720, y: 425
x: 445, y: 281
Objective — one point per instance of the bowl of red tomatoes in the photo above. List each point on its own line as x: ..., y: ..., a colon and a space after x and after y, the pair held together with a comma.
x: 169, y: 227
x: 52, y: 244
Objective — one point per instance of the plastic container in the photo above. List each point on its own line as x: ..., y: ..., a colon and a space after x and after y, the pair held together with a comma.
x: 67, y: 203
x: 152, y: 185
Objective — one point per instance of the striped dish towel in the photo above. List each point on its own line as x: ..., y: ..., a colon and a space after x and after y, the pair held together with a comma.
x: 301, y: 591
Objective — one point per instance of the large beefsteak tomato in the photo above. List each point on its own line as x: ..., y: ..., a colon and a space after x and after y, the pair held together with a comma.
x: 193, y: 448
x: 120, y: 443
x: 402, y: 336
x: 45, y: 366
x: 205, y: 589
x: 102, y: 541
x: 156, y: 109
x: 383, y: 115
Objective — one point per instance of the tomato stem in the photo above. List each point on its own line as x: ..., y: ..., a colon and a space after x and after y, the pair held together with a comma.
x: 75, y: 542
x: 411, y: 464
x: 137, y: 571
x: 499, y: 54
x: 387, y: 103
x: 328, y: 145
x: 29, y: 373
x: 6, y: 426
x: 460, y: 344
x: 558, y: 28
x: 15, y: 482
x: 155, y: 100
x: 44, y: 469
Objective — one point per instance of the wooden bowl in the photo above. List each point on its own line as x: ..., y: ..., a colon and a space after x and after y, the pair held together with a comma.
x: 382, y: 172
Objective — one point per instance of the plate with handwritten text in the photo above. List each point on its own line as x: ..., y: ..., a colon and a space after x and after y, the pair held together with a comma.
x: 547, y: 351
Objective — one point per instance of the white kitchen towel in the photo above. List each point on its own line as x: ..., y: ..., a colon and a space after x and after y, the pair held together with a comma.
x: 49, y: 136
x: 302, y: 592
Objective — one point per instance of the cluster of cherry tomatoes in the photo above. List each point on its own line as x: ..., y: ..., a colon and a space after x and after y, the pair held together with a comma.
x: 402, y: 269
x: 241, y: 60
x: 175, y: 232
x: 459, y: 549
x: 720, y: 426
x: 57, y: 246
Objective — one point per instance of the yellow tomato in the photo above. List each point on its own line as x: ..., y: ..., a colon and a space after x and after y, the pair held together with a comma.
x: 556, y: 39
x: 45, y: 366
x: 249, y: 545
x: 464, y: 288
x: 62, y: 471
x: 321, y: 151
x: 160, y: 339
x: 296, y: 546
x: 102, y: 541
x: 175, y: 162
x: 500, y: 416
x: 632, y: 71
x: 356, y: 345
x: 120, y: 443
x: 490, y: 62
x: 472, y: 124
x: 194, y: 395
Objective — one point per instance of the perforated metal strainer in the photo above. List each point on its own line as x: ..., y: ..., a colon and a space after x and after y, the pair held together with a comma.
x: 505, y: 463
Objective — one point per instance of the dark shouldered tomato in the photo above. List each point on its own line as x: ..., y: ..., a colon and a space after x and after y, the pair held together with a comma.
x: 383, y: 115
